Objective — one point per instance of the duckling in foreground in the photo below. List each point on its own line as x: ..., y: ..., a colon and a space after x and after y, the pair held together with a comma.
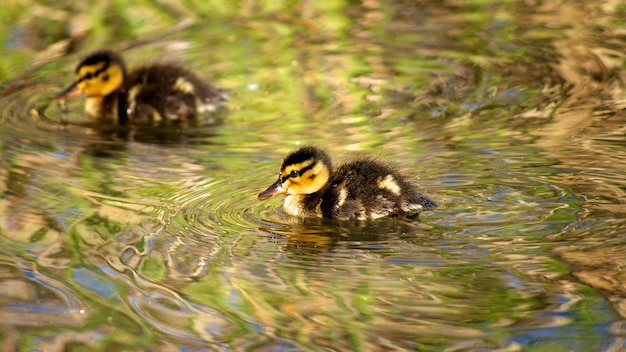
x: 154, y: 93
x: 360, y: 189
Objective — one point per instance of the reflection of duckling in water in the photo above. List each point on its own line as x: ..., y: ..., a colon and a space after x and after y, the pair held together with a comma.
x: 152, y: 93
x: 360, y: 189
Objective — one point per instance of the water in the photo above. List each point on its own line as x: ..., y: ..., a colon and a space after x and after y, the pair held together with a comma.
x: 151, y: 238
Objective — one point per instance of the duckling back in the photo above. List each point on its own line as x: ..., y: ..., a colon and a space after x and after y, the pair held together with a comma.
x: 367, y: 189
x: 164, y: 91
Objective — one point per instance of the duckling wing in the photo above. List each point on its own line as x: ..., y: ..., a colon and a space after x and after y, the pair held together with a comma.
x: 206, y: 96
x: 209, y: 97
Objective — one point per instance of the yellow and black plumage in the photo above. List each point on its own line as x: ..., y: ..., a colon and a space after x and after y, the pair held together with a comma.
x: 155, y: 92
x: 360, y: 189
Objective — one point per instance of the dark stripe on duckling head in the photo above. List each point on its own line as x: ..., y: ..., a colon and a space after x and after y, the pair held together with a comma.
x: 97, y: 73
x: 307, y: 168
x: 106, y: 56
x: 308, y: 165
x: 305, y: 153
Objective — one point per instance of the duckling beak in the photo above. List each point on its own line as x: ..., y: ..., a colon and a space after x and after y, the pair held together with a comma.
x: 69, y: 92
x: 274, y: 189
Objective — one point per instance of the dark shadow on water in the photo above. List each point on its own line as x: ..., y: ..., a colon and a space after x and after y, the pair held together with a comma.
x: 112, y: 138
x: 314, y: 236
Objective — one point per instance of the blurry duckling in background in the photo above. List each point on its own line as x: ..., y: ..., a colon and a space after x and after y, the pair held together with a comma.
x: 151, y: 93
x: 361, y: 189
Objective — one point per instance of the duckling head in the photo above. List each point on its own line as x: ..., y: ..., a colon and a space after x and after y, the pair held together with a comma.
x: 97, y: 75
x: 304, y: 171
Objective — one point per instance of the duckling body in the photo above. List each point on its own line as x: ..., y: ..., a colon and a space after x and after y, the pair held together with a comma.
x: 153, y: 93
x: 360, y: 189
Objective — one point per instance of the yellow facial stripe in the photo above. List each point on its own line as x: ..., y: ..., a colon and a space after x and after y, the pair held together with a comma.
x: 288, y: 172
x: 306, y: 177
x: 100, y: 79
x: 90, y: 71
x: 315, y: 170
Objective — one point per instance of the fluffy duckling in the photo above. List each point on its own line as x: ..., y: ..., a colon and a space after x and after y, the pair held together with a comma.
x: 360, y: 189
x: 156, y: 92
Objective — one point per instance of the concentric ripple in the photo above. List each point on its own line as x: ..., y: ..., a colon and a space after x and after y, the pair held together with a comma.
x: 157, y: 232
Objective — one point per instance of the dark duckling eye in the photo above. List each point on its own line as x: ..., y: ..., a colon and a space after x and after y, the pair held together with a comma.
x: 293, y: 173
x: 89, y: 75
x: 105, y: 78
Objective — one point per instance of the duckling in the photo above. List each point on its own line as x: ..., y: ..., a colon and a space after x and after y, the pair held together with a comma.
x: 361, y: 189
x: 156, y: 92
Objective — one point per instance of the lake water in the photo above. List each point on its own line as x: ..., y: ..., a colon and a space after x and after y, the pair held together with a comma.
x: 508, y: 113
